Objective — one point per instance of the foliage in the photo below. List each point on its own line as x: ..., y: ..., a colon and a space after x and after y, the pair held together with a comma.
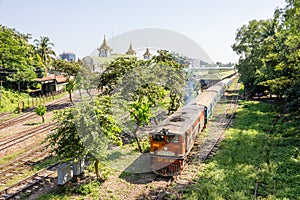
x: 19, y: 64
x: 70, y: 71
x: 40, y: 110
x: 10, y: 99
x: 111, y: 76
x: 43, y: 48
x: 269, y: 53
x: 85, y: 79
x: 254, y: 151
x: 87, y: 129
x: 65, y: 139
x: 144, y: 86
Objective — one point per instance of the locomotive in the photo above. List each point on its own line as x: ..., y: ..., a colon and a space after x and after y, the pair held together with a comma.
x: 172, y: 140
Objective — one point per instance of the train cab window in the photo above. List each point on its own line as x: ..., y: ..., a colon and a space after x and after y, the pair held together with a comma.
x: 172, y: 138
x: 158, y: 138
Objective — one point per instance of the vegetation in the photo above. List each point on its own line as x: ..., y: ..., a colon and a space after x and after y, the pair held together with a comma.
x: 85, y: 189
x: 43, y: 48
x: 10, y: 99
x: 19, y: 64
x: 144, y: 87
x: 260, y: 149
x: 87, y: 129
x: 269, y: 55
x: 70, y: 71
x: 40, y: 110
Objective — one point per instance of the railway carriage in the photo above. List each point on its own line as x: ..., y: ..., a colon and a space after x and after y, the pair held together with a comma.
x: 173, y: 139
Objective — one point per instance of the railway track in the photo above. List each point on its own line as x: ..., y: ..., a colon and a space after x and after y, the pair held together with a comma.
x: 23, y: 158
x: 6, y: 143
x: 26, y: 161
x: 21, y: 165
x: 3, y: 116
x: 28, y: 183
x: 201, y: 151
x: 57, y: 104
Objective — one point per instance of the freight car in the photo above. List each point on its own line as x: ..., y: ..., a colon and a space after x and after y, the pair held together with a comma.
x: 173, y: 139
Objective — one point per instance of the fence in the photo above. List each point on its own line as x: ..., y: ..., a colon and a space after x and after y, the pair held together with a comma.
x: 30, y: 103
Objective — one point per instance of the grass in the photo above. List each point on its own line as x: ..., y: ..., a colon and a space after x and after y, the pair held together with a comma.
x: 255, y: 151
x: 10, y: 100
x: 10, y: 157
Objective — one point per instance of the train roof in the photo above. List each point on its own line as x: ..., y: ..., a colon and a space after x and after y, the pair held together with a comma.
x: 205, y: 98
x: 182, y: 120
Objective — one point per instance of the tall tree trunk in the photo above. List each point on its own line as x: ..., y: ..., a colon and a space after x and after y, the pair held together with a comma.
x: 136, y: 138
x: 70, y: 96
x: 43, y: 119
x: 96, y: 166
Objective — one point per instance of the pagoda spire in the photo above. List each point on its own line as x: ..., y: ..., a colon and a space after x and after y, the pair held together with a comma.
x: 147, y: 55
x: 104, y: 49
x: 130, y: 50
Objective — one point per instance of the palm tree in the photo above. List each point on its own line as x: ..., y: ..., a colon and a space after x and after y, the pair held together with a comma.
x: 43, y: 48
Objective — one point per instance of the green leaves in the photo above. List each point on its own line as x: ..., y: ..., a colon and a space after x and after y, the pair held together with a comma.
x: 18, y: 61
x: 43, y: 48
x: 270, y: 52
x: 69, y: 70
x: 88, y: 128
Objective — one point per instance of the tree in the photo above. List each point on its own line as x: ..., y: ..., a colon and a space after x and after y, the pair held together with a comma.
x: 110, y: 78
x: 18, y: 61
x: 87, y: 129
x: 40, y: 110
x: 145, y: 99
x: 69, y: 70
x: 143, y: 86
x: 43, y: 48
x: 269, y: 52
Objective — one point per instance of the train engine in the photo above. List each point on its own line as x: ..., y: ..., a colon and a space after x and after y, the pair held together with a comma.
x: 173, y: 139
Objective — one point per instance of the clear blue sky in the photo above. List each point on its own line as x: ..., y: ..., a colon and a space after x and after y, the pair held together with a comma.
x: 79, y: 25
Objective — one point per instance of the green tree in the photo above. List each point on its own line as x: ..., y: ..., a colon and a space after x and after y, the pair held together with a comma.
x: 145, y: 99
x: 269, y: 53
x: 18, y: 62
x: 145, y: 87
x: 70, y: 71
x: 43, y: 48
x: 86, y: 129
x: 112, y: 75
x: 40, y: 110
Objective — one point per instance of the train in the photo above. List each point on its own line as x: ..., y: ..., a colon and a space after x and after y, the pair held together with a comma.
x: 172, y: 140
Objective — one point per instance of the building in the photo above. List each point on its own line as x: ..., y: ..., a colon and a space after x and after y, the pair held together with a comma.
x: 130, y: 51
x: 97, y: 64
x: 147, y: 55
x: 52, y: 83
x: 104, y: 50
x: 68, y: 56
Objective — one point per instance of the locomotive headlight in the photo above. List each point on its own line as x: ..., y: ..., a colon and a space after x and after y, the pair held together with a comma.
x: 166, y: 148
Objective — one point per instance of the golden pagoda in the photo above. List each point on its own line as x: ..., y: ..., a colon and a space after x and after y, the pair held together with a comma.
x: 130, y: 51
x: 147, y: 55
x: 104, y: 50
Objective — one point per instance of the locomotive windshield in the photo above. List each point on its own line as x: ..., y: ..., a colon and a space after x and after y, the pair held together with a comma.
x: 158, y: 138
x: 172, y: 138
x: 165, y: 136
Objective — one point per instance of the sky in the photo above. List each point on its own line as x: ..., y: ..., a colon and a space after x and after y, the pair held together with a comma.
x: 79, y: 26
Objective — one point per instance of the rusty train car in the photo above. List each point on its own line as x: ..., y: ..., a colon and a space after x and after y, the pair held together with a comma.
x: 173, y: 139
